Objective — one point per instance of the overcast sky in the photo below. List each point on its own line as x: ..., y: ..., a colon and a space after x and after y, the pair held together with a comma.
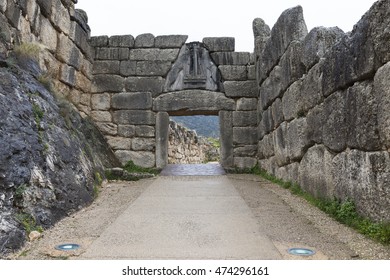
x: 213, y: 18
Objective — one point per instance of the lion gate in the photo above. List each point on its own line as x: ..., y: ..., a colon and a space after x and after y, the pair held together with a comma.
x: 138, y: 83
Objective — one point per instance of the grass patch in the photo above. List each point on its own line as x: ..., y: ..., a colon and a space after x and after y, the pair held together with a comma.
x: 38, y: 114
x: 343, y: 211
x: 47, y: 81
x: 28, y: 222
x: 28, y: 50
x: 131, y: 167
x: 214, y: 142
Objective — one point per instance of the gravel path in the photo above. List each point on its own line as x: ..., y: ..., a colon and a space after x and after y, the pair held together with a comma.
x: 287, y: 220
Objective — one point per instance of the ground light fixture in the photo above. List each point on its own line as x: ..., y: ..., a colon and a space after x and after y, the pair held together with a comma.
x: 301, y: 252
x: 67, y: 247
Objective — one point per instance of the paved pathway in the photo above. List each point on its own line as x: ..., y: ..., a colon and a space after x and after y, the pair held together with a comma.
x: 185, y: 218
x: 212, y: 168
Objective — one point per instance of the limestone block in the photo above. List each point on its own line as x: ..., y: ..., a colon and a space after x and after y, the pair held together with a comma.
x: 86, y: 68
x: 245, y: 118
x: 143, y: 144
x: 82, y: 82
x: 268, y: 121
x: 277, y: 112
x: 153, y: 68
x: 315, y: 172
x: 154, y: 54
x: 233, y: 72
x: 170, y: 41
x: 68, y: 75
x: 119, y: 143
x: 85, y: 99
x: 48, y: 34
x: 364, y: 177
x: 362, y: 121
x: 244, y: 135
x: 121, y: 41
x: 246, y: 151
x: 143, y: 159
x: 13, y: 13
x: 335, y: 126
x: 101, y: 116
x: 219, y: 44
x: 101, y: 101
x: 280, y: 145
x: 128, y: 68
x: 132, y: 101
x: 112, y: 53
x: 260, y: 28
x: 154, y: 85
x: 298, y: 140
x: 269, y: 165
x: 271, y: 88
x: 315, y: 121
x: 45, y: 7
x: 289, y: 27
x: 106, y: 67
x: 246, y: 104
x: 3, y: 5
x: 127, y: 131
x: 251, y: 72
x: 231, y: 58
x: 81, y: 38
x: 266, y: 148
x: 107, y: 83
x: 311, y: 94
x: 99, y: 41
x: 244, y: 162
x: 226, y: 131
x: 108, y: 128
x: 162, y: 137
x: 33, y: 13
x: 134, y: 117
x: 144, y: 41
x: 193, y: 101
x: 240, y: 89
x: 60, y: 17
x: 382, y: 94
x: 145, y: 131
x: 67, y: 52
x: 291, y: 102
x: 318, y: 42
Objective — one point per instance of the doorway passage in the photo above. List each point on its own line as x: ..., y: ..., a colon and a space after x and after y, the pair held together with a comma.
x: 208, y: 169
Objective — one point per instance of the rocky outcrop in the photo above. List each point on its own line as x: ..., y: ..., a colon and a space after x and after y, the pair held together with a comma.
x: 51, y: 159
x: 186, y: 147
x: 323, y: 107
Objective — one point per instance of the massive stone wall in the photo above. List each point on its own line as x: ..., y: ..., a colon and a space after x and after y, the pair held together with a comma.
x: 63, y: 34
x: 324, y: 107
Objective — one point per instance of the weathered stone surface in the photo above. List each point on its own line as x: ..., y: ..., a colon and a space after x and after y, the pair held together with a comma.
x: 277, y: 112
x: 154, y: 85
x: 108, y: 128
x: 315, y: 172
x: 67, y: 52
x: 101, y: 101
x: 127, y: 131
x: 335, y: 115
x: 119, y: 143
x: 381, y: 92
x: 132, y: 101
x: 60, y: 16
x: 364, y: 177
x: 240, y: 88
x: 153, y: 68
x: 134, y: 117
x: 245, y: 118
x: 219, y: 44
x: 231, y: 58
x: 48, y: 34
x: 122, y: 41
x: 143, y: 144
x: 281, y: 145
x: 362, y: 120
x: 144, y: 41
x: 13, y: 13
x: 145, y: 131
x: 162, y: 134
x: 112, y: 54
x: 291, y: 102
x: 143, y: 159
x: 311, y: 94
x: 251, y: 72
x: 194, y: 69
x: 170, y: 41
x: 246, y: 151
x: 154, y: 54
x: 266, y: 147
x: 101, y: 116
x: 128, y: 68
x: 99, y: 41
x: 260, y: 28
x: 315, y: 121
x: 107, y: 83
x: 106, y: 67
x: 298, y: 141
x: 268, y: 165
x: 244, y: 162
x: 45, y: 7
x: 193, y: 101
x: 267, y: 121
x: 318, y: 42
x: 244, y: 136
x: 289, y: 27
x: 68, y: 75
x: 226, y: 128
x: 234, y: 73
x: 246, y: 104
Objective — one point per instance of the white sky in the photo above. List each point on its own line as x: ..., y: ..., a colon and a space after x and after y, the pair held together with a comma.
x: 213, y: 18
